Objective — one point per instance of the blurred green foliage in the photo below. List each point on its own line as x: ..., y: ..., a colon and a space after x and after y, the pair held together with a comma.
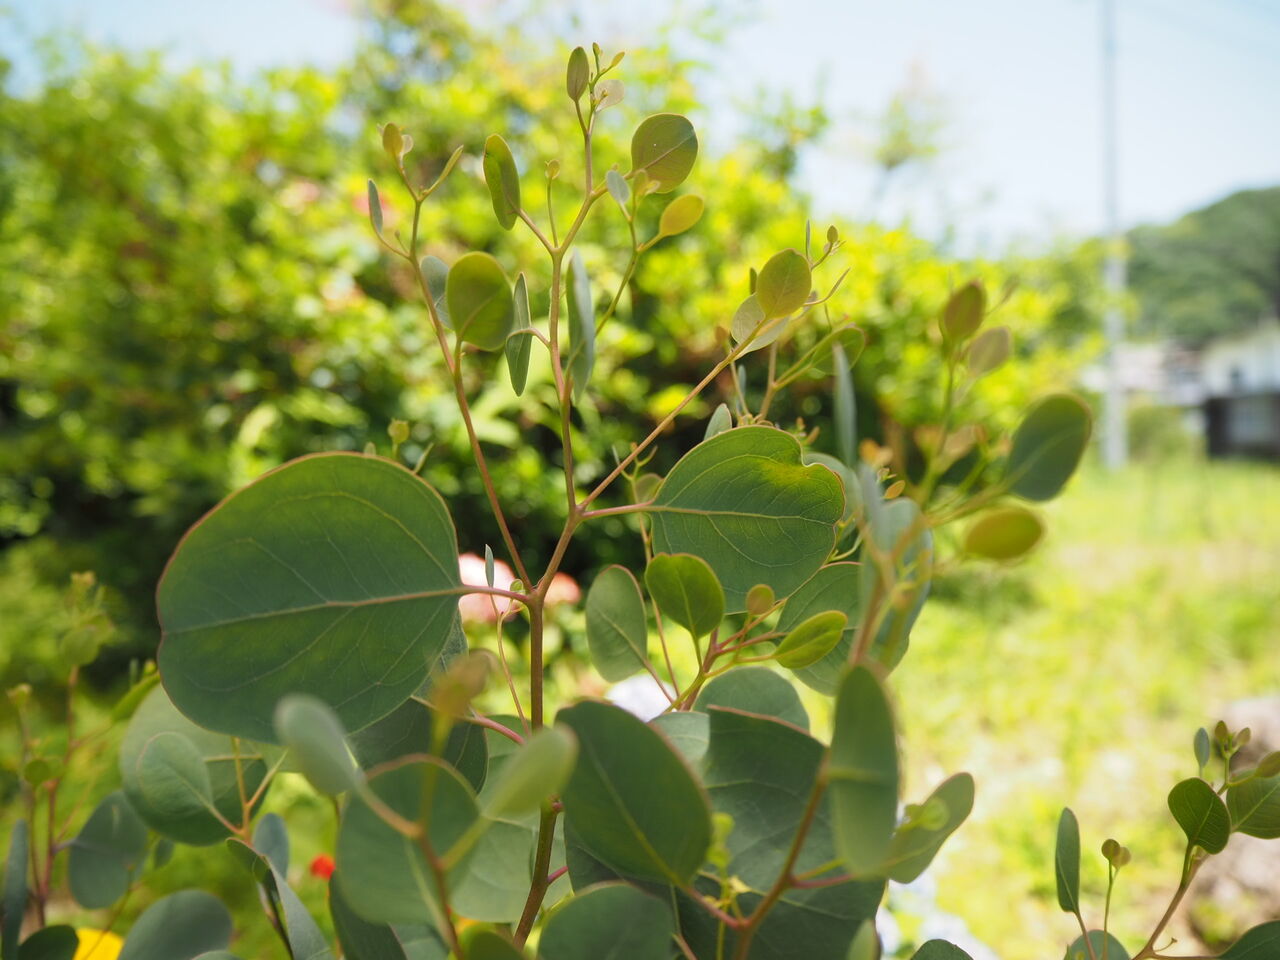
x: 192, y: 293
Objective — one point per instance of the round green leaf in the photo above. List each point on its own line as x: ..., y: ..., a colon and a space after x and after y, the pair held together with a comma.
x: 532, y: 774
x: 485, y: 944
x: 1047, y: 446
x: 384, y: 875
x: 335, y: 575
x: 1066, y: 862
x: 1254, y: 807
x: 916, y: 844
x: 863, y: 772
x: 755, y: 690
x: 784, y: 284
x: 989, y: 350
x: 811, y: 640
x: 578, y: 74
x: 173, y: 777
x: 1201, y: 814
x: 834, y: 587
x: 1260, y: 943
x: 964, y: 312
x: 746, y: 319
x: 687, y: 731
x: 314, y: 735
x: 196, y: 825
x: 1114, y: 949
x: 686, y: 589
x: 664, y: 147
x: 632, y: 800
x: 1004, y: 533
x: 744, y: 502
x: 58, y: 942
x: 503, y: 181
x: 680, y: 215
x: 14, y: 902
x: 362, y: 940
x: 407, y: 731
x: 435, y: 272
x: 617, y: 630
x: 939, y: 950
x: 720, y: 421
x: 180, y: 926
x: 481, y: 305
x: 609, y: 920
x: 108, y: 849
x: 499, y: 871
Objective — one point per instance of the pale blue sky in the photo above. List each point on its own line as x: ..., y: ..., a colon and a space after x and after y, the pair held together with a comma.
x: 1199, y: 90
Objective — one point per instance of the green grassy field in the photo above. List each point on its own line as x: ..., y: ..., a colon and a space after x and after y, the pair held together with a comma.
x: 1079, y: 679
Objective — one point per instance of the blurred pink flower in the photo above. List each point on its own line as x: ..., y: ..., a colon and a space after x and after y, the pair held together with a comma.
x: 563, y: 589
x: 479, y: 607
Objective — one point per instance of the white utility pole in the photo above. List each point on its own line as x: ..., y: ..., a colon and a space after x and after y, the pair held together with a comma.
x: 1115, y: 439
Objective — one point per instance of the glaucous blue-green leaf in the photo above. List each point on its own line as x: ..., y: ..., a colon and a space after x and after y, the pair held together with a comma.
x: 685, y: 588
x: 811, y: 640
x: 846, y: 413
x: 964, y: 312
x: 747, y: 319
x: 1047, y: 446
x: 306, y: 942
x: 14, y: 902
x: 917, y: 842
x: 863, y: 772
x: 1099, y: 941
x: 760, y: 773
x: 664, y: 146
x: 578, y: 74
x: 783, y: 285
x: 362, y: 940
x: 109, y: 847
x: 59, y: 942
x: 502, y: 179
x: 1260, y: 943
x: 407, y: 731
x: 755, y: 690
x: 271, y: 840
x: 610, y: 921
x: 1200, y: 744
x: 375, y: 208
x: 687, y: 731
x: 335, y: 575
x: 939, y: 950
x: 744, y: 502
x: 632, y: 799
x: 834, y: 587
x: 173, y: 777
x: 582, y: 316
x: 436, y: 274
x: 194, y: 825
x: 617, y: 630
x: 384, y: 874
x: 532, y: 774
x: 314, y: 735
x: 519, y: 346
x: 481, y: 305
x: 1201, y: 814
x: 485, y: 944
x: 180, y: 926
x: 720, y: 421
x: 1066, y: 862
x: 899, y: 530
x: 1255, y: 807
x: 499, y: 870
x: 681, y: 214
x: 1004, y: 533
x: 133, y: 697
x: 618, y: 188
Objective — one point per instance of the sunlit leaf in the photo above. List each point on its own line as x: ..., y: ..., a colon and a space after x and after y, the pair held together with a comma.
x: 1047, y: 447
x: 1004, y: 533
x: 481, y: 305
x: 664, y: 147
x: 784, y: 283
x: 502, y: 179
x: 617, y: 630
x: 686, y: 589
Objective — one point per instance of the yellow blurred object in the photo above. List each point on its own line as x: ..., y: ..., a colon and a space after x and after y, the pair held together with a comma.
x: 97, y: 945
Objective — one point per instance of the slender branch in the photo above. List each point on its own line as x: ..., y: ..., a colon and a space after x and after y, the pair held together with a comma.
x: 541, y: 863
x: 1188, y: 874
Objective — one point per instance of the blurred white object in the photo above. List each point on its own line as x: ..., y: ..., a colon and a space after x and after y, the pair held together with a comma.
x: 639, y: 695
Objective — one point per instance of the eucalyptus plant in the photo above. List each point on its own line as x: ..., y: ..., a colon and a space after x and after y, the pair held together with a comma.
x: 310, y: 624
